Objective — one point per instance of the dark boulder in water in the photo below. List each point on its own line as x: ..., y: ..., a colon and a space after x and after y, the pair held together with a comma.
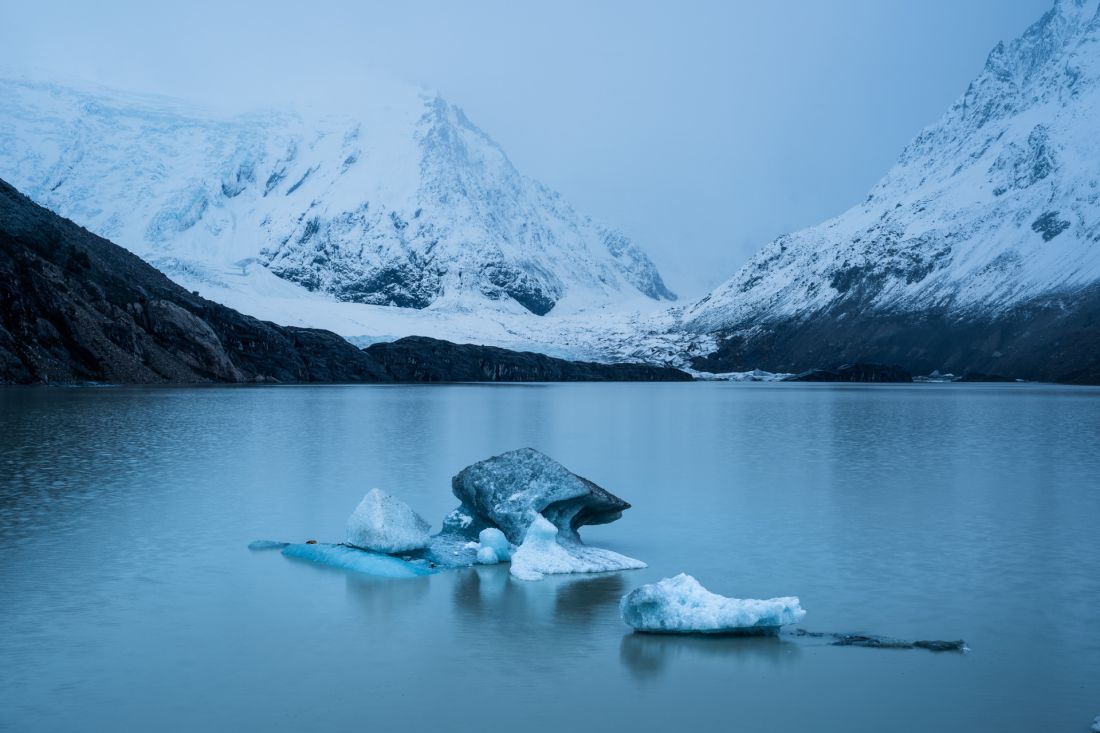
x: 510, y: 490
x: 862, y: 372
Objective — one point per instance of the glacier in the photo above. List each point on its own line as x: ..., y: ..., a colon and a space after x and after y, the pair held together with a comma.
x: 681, y: 605
x: 386, y: 524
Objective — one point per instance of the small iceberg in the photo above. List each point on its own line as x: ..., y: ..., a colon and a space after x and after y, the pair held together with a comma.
x: 681, y: 605
x: 360, y: 561
x: 1096, y: 724
x: 384, y: 523
x: 542, y: 553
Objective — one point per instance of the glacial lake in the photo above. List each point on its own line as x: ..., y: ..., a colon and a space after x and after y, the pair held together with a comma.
x: 128, y: 599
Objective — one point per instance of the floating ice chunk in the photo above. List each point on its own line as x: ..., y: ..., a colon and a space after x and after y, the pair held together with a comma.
x: 487, y: 556
x: 386, y: 524
x: 493, y: 539
x: 682, y: 605
x: 1096, y: 725
x: 508, y: 491
x: 541, y: 554
x: 360, y: 561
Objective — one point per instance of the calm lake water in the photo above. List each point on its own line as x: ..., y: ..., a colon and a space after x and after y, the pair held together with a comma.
x: 128, y: 599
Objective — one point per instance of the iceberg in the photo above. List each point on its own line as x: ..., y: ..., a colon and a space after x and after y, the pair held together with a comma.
x: 543, y: 552
x: 1096, y: 725
x: 356, y: 560
x: 384, y: 523
x: 508, y: 491
x: 680, y: 605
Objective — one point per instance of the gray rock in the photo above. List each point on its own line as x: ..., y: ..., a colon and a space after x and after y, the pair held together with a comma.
x: 510, y: 490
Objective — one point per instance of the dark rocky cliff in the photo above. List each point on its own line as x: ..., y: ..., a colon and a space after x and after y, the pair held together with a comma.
x: 77, y: 308
x: 421, y: 359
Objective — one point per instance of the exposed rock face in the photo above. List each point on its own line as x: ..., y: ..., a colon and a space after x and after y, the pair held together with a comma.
x: 384, y: 523
x: 855, y: 373
x: 1049, y: 340
x: 75, y: 308
x: 420, y: 359
x: 511, y: 490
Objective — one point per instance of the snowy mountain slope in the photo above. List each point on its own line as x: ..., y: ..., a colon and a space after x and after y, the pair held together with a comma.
x: 990, y: 216
x: 402, y: 203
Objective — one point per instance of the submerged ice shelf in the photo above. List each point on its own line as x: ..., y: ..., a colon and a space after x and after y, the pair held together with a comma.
x: 345, y: 557
x: 680, y: 605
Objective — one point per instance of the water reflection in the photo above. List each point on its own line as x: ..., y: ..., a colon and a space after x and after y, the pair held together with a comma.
x: 383, y: 598
x: 488, y: 594
x: 649, y: 656
x: 584, y: 600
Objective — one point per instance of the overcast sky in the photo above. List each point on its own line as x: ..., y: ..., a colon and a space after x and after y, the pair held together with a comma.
x: 701, y: 129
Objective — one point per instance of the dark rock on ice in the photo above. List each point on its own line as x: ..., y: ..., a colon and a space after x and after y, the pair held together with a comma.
x: 510, y: 490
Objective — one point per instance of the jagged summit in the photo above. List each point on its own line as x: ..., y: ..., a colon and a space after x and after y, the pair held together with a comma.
x: 992, y: 213
x: 403, y: 203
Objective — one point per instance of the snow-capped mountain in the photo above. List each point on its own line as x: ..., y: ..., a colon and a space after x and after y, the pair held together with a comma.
x: 990, y: 216
x: 403, y: 202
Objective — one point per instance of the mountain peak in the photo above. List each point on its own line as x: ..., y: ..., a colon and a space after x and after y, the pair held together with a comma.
x: 990, y: 210
x: 403, y: 201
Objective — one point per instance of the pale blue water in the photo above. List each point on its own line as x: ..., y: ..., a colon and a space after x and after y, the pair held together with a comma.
x: 128, y: 599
